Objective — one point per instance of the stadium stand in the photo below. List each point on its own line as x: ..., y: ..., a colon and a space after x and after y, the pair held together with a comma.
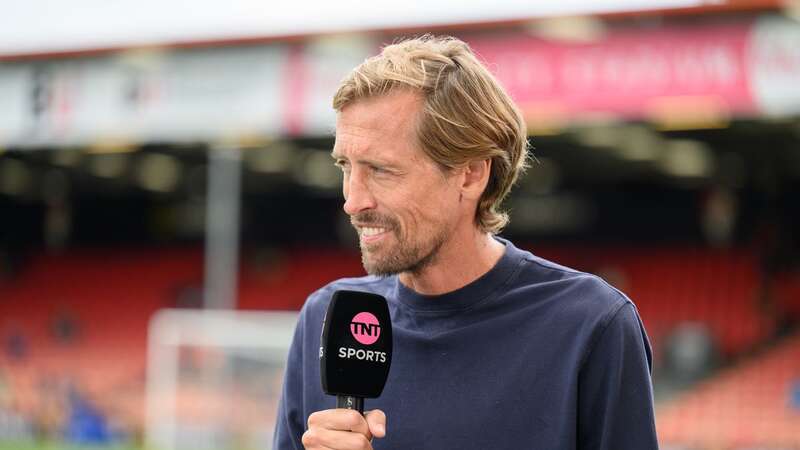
x: 749, y: 405
x: 77, y: 321
x: 787, y: 293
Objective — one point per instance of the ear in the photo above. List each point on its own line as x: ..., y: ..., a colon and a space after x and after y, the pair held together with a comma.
x: 475, y: 178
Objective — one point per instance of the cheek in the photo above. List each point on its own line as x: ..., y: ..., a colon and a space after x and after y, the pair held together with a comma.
x: 433, y: 208
x: 422, y: 201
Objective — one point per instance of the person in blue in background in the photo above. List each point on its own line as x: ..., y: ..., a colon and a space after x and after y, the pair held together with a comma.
x: 85, y: 423
x: 494, y: 347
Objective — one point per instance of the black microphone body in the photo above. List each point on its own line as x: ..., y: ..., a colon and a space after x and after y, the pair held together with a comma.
x: 355, y: 348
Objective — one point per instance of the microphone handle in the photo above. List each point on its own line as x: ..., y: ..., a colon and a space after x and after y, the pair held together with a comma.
x: 349, y: 402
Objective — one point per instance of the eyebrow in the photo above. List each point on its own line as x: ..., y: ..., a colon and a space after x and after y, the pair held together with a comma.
x: 371, y: 162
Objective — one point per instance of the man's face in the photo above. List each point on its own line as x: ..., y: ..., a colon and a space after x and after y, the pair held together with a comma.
x: 402, y: 205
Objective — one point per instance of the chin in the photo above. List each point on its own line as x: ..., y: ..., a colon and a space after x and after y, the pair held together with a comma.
x: 378, y: 267
x: 379, y: 271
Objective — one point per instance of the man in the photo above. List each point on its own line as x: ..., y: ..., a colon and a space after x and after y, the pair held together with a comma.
x: 494, y: 348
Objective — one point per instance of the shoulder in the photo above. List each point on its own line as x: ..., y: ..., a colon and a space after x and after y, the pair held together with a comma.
x: 581, y: 302
x: 574, y: 293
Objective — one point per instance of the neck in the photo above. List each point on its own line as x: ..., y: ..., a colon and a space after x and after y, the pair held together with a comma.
x: 458, y: 263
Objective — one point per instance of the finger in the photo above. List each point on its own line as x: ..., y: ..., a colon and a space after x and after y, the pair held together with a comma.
x: 340, y: 419
x: 323, y: 439
x: 376, y: 421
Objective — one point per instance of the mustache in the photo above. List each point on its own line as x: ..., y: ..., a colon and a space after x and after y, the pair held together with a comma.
x: 372, y: 218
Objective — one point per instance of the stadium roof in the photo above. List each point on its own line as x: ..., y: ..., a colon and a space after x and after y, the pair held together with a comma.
x: 49, y: 28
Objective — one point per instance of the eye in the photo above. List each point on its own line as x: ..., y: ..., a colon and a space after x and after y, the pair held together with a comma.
x: 342, y: 164
x: 378, y: 170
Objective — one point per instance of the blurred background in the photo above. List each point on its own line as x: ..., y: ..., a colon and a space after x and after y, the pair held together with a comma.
x: 167, y: 200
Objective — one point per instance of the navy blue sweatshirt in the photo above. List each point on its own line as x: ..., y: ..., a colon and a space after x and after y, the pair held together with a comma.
x: 532, y: 355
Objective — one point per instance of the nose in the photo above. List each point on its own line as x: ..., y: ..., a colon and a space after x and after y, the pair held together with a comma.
x: 357, y: 194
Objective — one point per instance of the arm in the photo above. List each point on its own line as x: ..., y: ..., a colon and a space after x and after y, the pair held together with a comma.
x: 615, y: 392
x: 290, y: 423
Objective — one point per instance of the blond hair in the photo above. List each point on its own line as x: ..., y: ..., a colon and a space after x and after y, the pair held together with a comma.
x: 466, y: 114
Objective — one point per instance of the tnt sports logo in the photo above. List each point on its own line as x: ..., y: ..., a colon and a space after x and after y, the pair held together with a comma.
x: 365, y: 328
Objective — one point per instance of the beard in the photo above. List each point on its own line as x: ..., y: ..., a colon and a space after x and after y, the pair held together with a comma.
x: 404, y: 255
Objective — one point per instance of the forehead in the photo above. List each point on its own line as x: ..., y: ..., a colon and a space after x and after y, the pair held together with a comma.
x: 382, y: 124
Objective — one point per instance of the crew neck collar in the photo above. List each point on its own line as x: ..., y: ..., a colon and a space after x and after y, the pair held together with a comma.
x: 466, y: 296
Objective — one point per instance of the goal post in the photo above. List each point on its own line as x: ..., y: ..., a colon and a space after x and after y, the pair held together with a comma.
x: 214, y: 378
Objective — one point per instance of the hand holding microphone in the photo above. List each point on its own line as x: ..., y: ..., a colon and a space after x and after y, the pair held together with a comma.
x: 355, y: 356
x: 344, y: 429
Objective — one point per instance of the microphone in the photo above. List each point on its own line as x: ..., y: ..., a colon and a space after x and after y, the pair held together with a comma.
x: 356, y: 348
